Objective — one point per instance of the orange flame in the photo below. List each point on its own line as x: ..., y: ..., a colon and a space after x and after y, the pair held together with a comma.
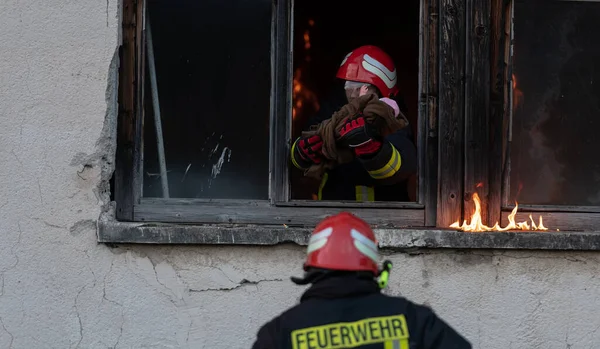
x: 306, y: 40
x: 301, y: 94
x: 517, y: 93
x: 476, y: 223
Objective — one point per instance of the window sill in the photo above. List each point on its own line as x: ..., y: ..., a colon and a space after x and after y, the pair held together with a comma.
x: 110, y: 231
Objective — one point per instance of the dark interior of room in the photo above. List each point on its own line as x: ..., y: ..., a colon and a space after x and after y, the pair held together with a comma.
x: 556, y: 99
x: 323, y: 35
x: 214, y: 81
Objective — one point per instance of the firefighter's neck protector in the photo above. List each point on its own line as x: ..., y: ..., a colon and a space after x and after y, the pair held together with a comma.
x: 313, y: 275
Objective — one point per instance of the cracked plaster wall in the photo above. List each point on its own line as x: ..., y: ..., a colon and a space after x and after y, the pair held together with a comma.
x: 60, y: 289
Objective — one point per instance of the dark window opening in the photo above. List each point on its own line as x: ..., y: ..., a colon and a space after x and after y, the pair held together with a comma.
x: 556, y: 100
x: 323, y: 35
x: 214, y: 78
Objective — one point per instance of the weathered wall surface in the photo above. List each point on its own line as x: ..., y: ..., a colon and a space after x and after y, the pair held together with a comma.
x: 60, y: 289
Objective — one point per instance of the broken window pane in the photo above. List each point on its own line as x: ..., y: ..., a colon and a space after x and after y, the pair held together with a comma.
x: 213, y: 78
x: 556, y: 103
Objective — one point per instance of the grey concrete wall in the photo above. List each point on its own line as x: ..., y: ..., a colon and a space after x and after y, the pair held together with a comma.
x: 60, y: 289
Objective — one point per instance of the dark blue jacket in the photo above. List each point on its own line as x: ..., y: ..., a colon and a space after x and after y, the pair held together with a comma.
x: 347, y: 312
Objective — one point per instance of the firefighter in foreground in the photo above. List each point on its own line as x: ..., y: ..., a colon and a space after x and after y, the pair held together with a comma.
x: 370, y: 128
x: 344, y: 307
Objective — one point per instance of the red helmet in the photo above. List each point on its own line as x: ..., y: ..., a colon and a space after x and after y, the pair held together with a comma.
x: 371, y: 65
x: 343, y: 242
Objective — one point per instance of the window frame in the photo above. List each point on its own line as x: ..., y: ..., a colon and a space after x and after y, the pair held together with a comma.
x: 560, y: 217
x: 465, y: 45
x: 279, y: 209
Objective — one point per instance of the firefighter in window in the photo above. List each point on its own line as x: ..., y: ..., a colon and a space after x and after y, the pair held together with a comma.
x: 364, y: 150
x: 344, y: 306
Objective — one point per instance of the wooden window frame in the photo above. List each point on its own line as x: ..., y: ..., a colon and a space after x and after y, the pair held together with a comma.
x: 465, y: 91
x: 471, y: 82
x: 279, y: 209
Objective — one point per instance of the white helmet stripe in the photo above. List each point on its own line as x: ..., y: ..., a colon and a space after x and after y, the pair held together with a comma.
x: 364, y: 249
x: 313, y: 246
x: 345, y: 59
x: 318, y: 240
x: 374, y: 66
x: 365, y: 245
x: 356, y: 235
x: 372, y: 61
x: 322, y: 234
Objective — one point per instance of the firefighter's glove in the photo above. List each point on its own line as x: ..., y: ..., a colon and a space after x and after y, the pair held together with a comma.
x: 307, y: 151
x: 360, y: 136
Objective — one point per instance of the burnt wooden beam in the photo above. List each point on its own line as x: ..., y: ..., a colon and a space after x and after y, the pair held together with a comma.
x: 294, y: 203
x: 477, y: 106
x: 280, y: 118
x: 563, y: 221
x: 127, y: 117
x: 138, y: 140
x: 428, y: 109
x: 352, y: 204
x: 499, y: 40
x: 451, y: 111
x: 263, y: 213
x: 554, y: 208
x: 508, y: 98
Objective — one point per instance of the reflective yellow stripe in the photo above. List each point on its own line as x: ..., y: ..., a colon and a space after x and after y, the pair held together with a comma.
x: 364, y: 193
x: 359, y: 193
x: 321, y: 186
x: 293, y: 158
x: 391, y: 331
x: 389, y: 169
x: 396, y: 344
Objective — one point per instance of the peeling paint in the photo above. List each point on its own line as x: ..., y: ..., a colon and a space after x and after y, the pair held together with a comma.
x: 82, y: 226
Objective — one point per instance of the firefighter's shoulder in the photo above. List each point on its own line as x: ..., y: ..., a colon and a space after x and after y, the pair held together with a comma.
x: 423, y: 323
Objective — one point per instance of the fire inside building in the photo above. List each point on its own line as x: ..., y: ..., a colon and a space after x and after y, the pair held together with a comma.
x: 323, y: 35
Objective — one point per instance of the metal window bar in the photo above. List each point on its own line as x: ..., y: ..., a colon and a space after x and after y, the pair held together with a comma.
x: 156, y: 106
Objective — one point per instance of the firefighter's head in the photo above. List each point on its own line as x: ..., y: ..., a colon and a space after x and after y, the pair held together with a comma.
x: 371, y: 66
x: 341, y: 244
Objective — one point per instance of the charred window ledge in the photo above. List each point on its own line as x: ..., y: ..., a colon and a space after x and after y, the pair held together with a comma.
x: 405, y: 238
